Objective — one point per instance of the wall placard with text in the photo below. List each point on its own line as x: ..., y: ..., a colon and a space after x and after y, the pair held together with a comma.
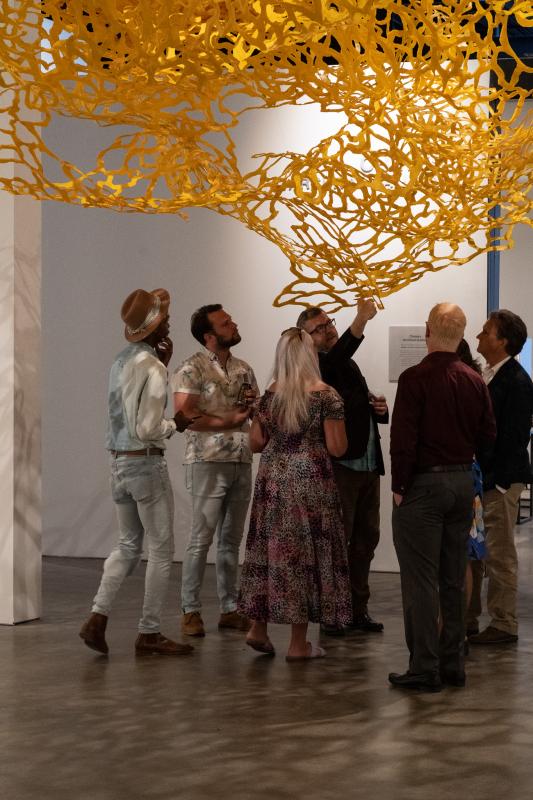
x: 407, y: 347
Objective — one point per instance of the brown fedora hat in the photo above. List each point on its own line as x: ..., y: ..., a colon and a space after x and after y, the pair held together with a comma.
x: 143, y: 311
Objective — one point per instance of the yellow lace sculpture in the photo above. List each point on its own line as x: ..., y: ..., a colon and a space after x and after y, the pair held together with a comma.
x: 406, y: 184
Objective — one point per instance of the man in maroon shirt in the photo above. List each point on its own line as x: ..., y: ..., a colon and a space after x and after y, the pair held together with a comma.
x: 442, y: 417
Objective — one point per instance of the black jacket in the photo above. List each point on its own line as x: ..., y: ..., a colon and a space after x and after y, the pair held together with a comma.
x: 511, y: 392
x: 340, y: 371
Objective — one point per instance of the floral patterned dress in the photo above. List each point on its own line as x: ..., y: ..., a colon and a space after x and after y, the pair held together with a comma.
x: 295, y: 568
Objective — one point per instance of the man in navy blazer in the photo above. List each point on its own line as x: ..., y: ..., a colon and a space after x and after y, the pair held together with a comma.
x: 506, y: 468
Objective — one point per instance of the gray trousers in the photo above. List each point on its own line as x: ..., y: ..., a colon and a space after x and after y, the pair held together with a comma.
x: 430, y: 531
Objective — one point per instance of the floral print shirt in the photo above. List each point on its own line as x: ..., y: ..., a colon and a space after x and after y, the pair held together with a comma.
x: 217, y: 388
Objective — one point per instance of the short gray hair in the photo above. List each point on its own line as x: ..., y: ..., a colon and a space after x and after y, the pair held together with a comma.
x: 307, y: 314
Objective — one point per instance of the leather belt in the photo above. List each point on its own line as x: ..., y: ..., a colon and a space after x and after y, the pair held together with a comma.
x: 446, y: 468
x: 148, y: 451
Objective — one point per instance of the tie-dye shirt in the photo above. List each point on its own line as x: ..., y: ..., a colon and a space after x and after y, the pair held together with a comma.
x: 137, y: 399
x: 217, y: 388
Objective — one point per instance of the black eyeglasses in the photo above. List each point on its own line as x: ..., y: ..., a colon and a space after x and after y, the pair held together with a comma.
x: 323, y: 328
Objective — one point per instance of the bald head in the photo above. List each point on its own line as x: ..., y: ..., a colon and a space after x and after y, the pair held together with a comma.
x: 445, y: 327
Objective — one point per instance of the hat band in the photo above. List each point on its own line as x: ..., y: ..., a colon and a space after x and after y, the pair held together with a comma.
x: 152, y: 314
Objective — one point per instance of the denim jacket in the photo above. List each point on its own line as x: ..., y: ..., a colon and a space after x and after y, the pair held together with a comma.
x: 137, y: 399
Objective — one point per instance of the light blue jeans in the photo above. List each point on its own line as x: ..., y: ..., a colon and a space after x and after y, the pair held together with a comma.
x: 144, y: 502
x: 220, y: 494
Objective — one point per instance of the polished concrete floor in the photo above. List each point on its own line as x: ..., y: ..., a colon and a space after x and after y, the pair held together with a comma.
x: 227, y: 723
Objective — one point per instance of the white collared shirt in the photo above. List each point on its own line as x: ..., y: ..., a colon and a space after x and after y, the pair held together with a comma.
x: 489, y: 372
x: 487, y: 375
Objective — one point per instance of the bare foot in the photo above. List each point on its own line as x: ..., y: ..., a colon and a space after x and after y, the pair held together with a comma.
x: 257, y: 632
x: 310, y: 651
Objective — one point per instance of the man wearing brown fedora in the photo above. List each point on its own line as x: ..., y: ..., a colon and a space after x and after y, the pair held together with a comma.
x: 140, y: 484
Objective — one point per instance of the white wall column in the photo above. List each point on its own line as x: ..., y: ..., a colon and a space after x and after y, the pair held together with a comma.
x: 20, y: 409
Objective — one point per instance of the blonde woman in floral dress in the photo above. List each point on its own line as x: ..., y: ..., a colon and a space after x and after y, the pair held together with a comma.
x: 295, y: 569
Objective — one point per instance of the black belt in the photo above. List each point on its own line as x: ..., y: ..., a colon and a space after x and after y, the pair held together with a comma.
x: 148, y: 451
x: 445, y: 468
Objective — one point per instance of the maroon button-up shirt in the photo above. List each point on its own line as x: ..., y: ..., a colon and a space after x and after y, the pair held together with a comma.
x: 442, y: 415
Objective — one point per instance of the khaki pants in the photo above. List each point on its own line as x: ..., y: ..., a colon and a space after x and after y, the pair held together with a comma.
x: 500, y: 512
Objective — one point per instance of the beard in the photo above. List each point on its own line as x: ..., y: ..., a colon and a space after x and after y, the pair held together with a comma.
x: 223, y: 341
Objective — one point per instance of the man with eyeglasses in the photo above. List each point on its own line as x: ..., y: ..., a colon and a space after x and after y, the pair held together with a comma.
x: 357, y: 472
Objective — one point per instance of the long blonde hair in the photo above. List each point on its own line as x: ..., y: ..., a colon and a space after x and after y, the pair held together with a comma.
x: 295, y: 371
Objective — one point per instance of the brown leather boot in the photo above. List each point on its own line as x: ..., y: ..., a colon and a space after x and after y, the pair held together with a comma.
x: 150, y: 643
x: 192, y: 624
x: 93, y: 633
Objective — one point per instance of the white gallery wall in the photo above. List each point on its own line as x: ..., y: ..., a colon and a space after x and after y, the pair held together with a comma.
x: 93, y: 258
x: 516, y: 268
x: 516, y: 276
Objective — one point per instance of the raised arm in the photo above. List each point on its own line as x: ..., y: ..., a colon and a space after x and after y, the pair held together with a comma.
x: 366, y: 310
x: 353, y: 336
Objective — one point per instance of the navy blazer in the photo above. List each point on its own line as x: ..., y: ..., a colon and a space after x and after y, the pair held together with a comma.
x: 340, y: 371
x: 507, y: 462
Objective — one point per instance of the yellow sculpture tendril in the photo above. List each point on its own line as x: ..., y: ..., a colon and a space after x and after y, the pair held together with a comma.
x: 406, y: 184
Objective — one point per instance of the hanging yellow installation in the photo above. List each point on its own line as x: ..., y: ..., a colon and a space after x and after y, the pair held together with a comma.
x: 426, y: 164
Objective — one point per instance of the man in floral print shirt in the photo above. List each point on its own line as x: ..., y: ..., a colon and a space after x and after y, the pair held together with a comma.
x: 218, y: 462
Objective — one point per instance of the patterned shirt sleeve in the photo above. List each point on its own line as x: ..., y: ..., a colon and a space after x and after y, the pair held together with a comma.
x: 187, y: 378
x: 332, y: 405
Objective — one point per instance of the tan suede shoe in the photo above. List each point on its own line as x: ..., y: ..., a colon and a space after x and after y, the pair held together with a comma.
x: 157, y: 644
x: 234, y: 620
x: 192, y: 624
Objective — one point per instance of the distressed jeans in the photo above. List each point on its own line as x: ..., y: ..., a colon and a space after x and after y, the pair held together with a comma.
x: 220, y: 493
x: 144, y: 503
